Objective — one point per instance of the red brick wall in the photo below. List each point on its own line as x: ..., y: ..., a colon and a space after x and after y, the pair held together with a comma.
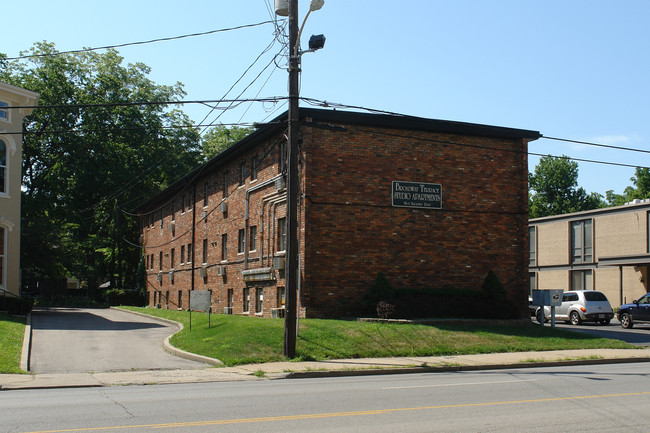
x: 353, y: 232
x: 349, y: 230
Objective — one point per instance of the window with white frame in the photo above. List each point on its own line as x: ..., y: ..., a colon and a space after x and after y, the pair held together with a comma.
x: 3, y: 167
x: 3, y: 255
x: 252, y: 243
x: 4, y: 112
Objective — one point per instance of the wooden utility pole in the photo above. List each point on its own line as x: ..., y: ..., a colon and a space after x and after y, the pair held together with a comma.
x: 292, y: 272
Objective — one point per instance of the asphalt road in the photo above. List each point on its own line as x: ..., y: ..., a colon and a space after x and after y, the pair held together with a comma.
x: 69, y: 340
x: 595, y: 398
x: 639, y: 335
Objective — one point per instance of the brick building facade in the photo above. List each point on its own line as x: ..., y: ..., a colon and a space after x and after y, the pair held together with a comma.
x: 604, y: 249
x: 222, y: 227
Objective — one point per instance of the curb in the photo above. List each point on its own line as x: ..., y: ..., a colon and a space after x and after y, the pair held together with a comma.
x: 168, y: 346
x: 26, y: 353
x: 456, y: 368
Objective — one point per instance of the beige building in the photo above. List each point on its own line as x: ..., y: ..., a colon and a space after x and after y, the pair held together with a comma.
x: 11, y: 121
x: 604, y: 249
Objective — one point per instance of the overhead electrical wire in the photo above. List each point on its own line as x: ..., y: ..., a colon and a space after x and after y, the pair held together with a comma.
x: 127, y: 44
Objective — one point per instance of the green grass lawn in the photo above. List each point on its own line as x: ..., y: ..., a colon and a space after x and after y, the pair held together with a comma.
x: 243, y: 340
x: 12, y: 330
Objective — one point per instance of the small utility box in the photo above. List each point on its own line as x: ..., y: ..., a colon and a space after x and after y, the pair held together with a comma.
x: 548, y: 298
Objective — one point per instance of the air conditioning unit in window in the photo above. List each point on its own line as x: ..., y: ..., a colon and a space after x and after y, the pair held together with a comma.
x: 223, y: 207
x: 227, y: 310
x: 221, y: 270
x: 172, y: 228
x: 204, y: 216
x: 159, y: 277
x: 203, y: 272
x: 279, y: 262
x: 280, y: 184
x: 171, y: 276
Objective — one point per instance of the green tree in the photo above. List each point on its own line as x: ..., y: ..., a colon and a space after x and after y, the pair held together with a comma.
x: 91, y: 152
x: 220, y: 138
x: 640, y: 190
x: 554, y: 189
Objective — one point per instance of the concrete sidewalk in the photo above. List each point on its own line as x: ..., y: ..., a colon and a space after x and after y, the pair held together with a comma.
x: 332, y: 368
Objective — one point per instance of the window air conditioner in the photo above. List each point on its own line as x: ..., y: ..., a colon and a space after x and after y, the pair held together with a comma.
x: 223, y: 207
x: 171, y: 276
x: 159, y: 277
x: 280, y: 184
x: 203, y: 272
x: 279, y: 262
x: 221, y: 270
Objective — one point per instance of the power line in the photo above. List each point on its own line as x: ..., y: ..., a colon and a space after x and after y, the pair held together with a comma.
x: 84, y: 50
x: 587, y: 143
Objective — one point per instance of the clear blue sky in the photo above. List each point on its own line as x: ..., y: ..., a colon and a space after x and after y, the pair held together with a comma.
x: 576, y: 69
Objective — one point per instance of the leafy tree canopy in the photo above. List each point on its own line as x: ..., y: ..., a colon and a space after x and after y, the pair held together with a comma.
x: 220, y: 138
x: 91, y: 151
x: 640, y: 190
x: 554, y: 189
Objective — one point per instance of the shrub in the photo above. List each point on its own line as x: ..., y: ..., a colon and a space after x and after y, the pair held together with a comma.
x: 492, y: 287
x: 135, y: 298
x: 380, y: 291
x: 18, y: 306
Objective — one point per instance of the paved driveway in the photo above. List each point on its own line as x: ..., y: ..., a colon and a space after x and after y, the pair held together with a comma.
x: 67, y: 340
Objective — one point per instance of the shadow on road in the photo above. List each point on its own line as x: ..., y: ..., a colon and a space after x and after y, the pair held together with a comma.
x: 74, y: 319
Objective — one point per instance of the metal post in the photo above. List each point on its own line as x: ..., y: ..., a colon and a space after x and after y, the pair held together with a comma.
x: 291, y: 274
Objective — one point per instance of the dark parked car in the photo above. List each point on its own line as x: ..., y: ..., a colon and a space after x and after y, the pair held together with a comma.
x: 637, y: 311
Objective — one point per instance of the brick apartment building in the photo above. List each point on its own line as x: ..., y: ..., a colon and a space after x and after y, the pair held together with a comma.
x: 604, y: 249
x: 429, y: 203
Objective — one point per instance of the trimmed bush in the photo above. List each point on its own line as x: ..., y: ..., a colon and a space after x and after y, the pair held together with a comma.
x: 16, y: 306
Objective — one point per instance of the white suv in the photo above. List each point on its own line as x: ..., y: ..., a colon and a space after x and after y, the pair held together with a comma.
x: 581, y: 306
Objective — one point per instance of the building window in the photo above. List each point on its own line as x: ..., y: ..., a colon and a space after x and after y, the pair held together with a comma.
x: 189, y: 253
x: 532, y: 278
x: 182, y: 254
x: 205, y: 251
x: 224, y: 247
x: 180, y: 299
x: 3, y: 167
x: 205, y: 194
x: 252, y: 243
x: 160, y: 257
x: 171, y: 261
x: 281, y: 297
x: 259, y: 300
x: 242, y: 176
x: 173, y: 211
x: 532, y: 249
x: 230, y: 298
x: 241, y: 242
x: 225, y: 184
x: 282, y: 234
x: 3, y: 254
x: 4, y: 112
x: 247, y: 300
x: 151, y: 262
x: 582, y: 280
x: 182, y: 204
x: 254, y: 168
x: 283, y: 157
x: 581, y: 242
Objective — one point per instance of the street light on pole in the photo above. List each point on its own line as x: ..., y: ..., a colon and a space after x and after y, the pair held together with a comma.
x: 290, y: 8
